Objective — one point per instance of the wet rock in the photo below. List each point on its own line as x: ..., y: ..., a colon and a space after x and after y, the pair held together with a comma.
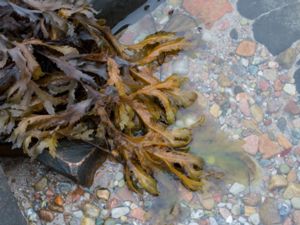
x: 237, y: 188
x: 91, y: 210
x: 297, y: 80
x: 88, y: 221
x: 58, y: 200
x: 207, y: 202
x: 284, y: 168
x: 267, y: 147
x: 225, y: 213
x: 41, y: 184
x: 234, y: 34
x: 252, y: 69
x: 254, y: 219
x: 56, y: 208
x: 290, y: 89
x: 277, y: 181
x: 224, y: 81
x: 292, y: 108
x: 46, y: 215
x: 138, y: 213
x: 120, y: 211
x: 268, y: 212
x: 292, y: 176
x: 263, y: 85
x: 283, y: 141
x: 103, y: 194
x: 249, y: 210
x: 257, y: 113
x: 208, y: 11
x: 287, y: 58
x: 281, y: 124
x: 273, y: 106
x: 296, y: 202
x: 215, y: 110
x: 278, y: 85
x: 251, y: 144
x: 237, y: 90
x: 284, y: 209
x: 293, y: 190
x: 236, y: 209
x: 270, y: 74
x: 246, y: 48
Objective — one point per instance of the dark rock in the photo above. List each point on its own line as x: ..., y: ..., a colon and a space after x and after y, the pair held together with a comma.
x: 254, y: 8
x: 237, y: 90
x: 115, y: 10
x: 298, y: 63
x: 297, y: 80
x: 9, y: 211
x: 281, y: 124
x: 276, y: 29
x: 77, y: 160
x: 74, y: 159
x: 234, y: 34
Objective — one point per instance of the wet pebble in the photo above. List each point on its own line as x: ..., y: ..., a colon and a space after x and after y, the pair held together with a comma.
x: 103, y: 194
x: 46, y: 215
x: 120, y: 211
x: 252, y: 69
x: 41, y: 184
x: 284, y: 209
x: 281, y: 124
x: 277, y: 181
x: 237, y: 188
x: 254, y: 219
x: 88, y: 221
x: 290, y: 89
x: 284, y: 169
x: 64, y: 187
x: 296, y: 202
x: 234, y: 34
x: 91, y: 210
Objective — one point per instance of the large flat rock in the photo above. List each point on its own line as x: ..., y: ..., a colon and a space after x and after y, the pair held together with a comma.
x: 276, y: 23
x: 10, y: 213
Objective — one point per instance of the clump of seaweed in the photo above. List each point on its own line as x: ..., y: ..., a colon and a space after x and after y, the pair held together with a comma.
x: 64, y: 75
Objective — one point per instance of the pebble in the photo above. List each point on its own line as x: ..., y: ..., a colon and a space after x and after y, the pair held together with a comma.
x: 225, y: 213
x: 277, y: 181
x: 236, y: 209
x: 41, y: 184
x: 58, y: 200
x: 91, y: 210
x: 215, y: 110
x: 290, y: 89
x: 64, y: 187
x: 284, y: 168
x: 119, y: 176
x: 46, y: 215
x: 120, y: 211
x: 254, y: 219
x: 249, y: 210
x: 257, y: 113
x: 270, y: 74
x: 296, y: 202
x: 251, y: 144
x: 267, y: 147
x: 293, y: 190
x: 252, y: 69
x: 281, y: 124
x: 103, y: 194
x: 237, y: 188
x: 234, y: 34
x: 246, y: 48
x: 88, y: 221
x: 284, y: 209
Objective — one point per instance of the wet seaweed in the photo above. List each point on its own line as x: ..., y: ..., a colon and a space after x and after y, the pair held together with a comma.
x: 64, y: 75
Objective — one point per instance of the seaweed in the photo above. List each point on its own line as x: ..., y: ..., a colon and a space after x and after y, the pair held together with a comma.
x: 64, y: 75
